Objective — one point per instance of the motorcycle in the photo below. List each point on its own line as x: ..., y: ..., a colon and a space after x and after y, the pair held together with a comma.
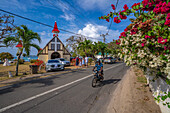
x: 96, y: 79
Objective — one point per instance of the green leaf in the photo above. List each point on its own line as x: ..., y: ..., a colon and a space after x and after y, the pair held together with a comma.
x: 99, y: 18
x: 144, y: 20
x: 137, y: 7
x: 136, y: 15
x: 133, y: 11
x: 164, y: 97
x: 141, y: 5
x: 168, y: 82
x: 149, y: 33
x: 168, y: 106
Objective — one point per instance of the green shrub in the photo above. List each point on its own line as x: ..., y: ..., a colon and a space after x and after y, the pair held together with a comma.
x: 33, y: 61
x: 90, y: 60
x: 21, y: 61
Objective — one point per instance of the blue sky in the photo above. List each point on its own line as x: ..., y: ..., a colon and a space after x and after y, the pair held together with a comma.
x: 79, y: 16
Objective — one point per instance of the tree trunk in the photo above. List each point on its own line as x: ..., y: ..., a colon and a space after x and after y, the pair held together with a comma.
x: 17, y: 65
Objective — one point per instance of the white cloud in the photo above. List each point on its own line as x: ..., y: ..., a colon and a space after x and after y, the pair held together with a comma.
x: 43, y: 33
x: 93, y: 32
x: 68, y: 17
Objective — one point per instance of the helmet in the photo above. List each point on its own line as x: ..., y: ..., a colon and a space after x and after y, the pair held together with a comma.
x: 97, y: 61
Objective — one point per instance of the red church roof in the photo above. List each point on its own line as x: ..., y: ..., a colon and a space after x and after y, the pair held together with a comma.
x: 55, y: 30
x: 19, y: 44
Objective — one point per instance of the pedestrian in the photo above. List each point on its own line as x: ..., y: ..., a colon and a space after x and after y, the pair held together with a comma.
x: 83, y: 62
x: 77, y: 61
x: 86, y: 60
x: 80, y: 62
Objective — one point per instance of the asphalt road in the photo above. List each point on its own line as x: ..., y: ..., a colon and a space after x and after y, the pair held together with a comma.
x: 65, y: 93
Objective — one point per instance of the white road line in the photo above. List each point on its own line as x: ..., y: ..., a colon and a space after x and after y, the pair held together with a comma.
x: 49, y: 91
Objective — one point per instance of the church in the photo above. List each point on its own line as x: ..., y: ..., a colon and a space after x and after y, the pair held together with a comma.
x: 54, y: 48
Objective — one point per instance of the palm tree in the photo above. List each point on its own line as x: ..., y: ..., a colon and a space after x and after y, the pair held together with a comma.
x: 84, y: 47
x: 94, y: 49
x: 102, y: 48
x: 26, y: 37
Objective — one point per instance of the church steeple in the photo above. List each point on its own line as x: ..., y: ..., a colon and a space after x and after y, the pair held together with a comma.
x: 55, y: 30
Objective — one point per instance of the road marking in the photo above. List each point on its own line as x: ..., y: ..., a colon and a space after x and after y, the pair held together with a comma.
x: 49, y: 91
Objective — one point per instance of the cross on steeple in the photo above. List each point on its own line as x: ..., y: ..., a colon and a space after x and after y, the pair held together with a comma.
x: 55, y: 31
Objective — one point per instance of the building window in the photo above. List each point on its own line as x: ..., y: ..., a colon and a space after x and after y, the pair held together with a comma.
x: 58, y: 40
x: 52, y: 46
x: 58, y: 46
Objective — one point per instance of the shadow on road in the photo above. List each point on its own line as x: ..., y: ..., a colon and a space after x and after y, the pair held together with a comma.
x: 110, y: 81
x: 43, y: 81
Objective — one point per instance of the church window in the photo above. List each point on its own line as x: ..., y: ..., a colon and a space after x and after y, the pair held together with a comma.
x: 58, y: 46
x: 52, y: 46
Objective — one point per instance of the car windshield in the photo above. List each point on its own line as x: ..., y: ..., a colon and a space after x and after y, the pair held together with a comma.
x: 108, y: 58
x: 53, y: 61
x: 62, y: 59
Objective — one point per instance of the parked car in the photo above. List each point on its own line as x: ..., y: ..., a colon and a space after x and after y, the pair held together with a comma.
x: 54, y: 65
x: 109, y: 60
x: 63, y: 61
x: 101, y: 59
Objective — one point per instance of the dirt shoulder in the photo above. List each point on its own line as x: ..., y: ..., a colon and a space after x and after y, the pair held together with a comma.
x: 132, y: 95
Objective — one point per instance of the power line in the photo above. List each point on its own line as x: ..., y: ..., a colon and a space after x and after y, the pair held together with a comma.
x: 42, y: 23
x: 113, y: 16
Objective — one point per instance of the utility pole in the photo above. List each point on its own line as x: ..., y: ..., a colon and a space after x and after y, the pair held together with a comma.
x: 104, y: 37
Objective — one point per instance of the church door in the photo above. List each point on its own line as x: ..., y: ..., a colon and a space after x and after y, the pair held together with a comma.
x: 55, y: 55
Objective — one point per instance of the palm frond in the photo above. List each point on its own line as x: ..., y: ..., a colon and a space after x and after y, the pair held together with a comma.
x: 35, y: 46
x: 9, y: 40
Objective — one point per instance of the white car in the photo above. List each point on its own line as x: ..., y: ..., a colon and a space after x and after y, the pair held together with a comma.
x: 109, y: 60
x: 54, y: 65
x: 64, y: 62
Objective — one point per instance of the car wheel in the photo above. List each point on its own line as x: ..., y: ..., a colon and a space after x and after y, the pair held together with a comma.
x: 63, y: 68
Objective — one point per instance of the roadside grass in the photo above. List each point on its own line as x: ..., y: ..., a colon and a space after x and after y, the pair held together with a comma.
x: 141, y: 79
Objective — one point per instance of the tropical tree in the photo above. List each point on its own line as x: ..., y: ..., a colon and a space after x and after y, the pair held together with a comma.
x: 73, y: 42
x: 113, y: 48
x: 26, y: 37
x: 4, y: 55
x: 6, y: 27
x: 102, y: 47
x: 84, y: 47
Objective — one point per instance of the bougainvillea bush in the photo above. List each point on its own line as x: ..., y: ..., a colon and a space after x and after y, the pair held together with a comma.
x: 146, y: 41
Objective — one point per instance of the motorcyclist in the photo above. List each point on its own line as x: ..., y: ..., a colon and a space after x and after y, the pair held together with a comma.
x: 99, y: 67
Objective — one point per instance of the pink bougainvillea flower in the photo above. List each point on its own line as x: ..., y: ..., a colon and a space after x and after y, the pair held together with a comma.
x: 125, y: 7
x: 116, y: 20
x: 165, y: 48
x: 143, y: 44
x: 122, y: 16
x: 102, y: 17
x: 117, y: 42
x: 134, y: 31
x: 123, y: 34
x: 146, y: 36
x: 150, y: 37
x: 161, y: 40
x: 126, y: 30
x: 113, y: 7
x: 167, y: 22
x: 107, y: 20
